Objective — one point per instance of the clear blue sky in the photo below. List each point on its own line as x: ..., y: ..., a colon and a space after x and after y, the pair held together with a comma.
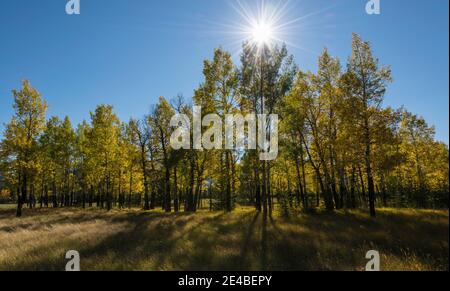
x: 128, y: 53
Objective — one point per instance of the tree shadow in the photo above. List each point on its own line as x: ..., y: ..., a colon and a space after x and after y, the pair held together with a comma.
x: 248, y: 240
x: 264, y: 250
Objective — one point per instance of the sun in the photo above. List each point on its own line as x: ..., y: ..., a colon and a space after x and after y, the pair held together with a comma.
x: 266, y: 25
x: 262, y: 24
x: 262, y: 33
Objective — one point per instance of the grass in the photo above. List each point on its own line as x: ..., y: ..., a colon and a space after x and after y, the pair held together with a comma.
x: 7, y: 206
x: 242, y: 240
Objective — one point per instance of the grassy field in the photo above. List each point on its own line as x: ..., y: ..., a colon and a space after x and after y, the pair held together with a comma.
x: 242, y: 240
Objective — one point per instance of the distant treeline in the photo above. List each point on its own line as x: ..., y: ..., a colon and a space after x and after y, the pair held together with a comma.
x: 339, y: 146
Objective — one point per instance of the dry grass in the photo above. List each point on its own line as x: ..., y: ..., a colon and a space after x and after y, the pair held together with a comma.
x: 242, y: 240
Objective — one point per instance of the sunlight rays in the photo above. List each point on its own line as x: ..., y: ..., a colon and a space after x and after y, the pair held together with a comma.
x: 264, y: 24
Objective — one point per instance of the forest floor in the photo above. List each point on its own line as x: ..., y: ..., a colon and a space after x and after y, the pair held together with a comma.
x: 242, y: 240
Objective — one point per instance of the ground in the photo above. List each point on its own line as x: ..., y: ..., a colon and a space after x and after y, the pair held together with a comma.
x: 243, y: 240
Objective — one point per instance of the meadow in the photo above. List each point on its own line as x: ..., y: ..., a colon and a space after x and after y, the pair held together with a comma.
x: 407, y: 239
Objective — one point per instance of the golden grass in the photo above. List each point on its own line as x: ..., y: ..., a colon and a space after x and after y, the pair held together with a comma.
x: 243, y: 240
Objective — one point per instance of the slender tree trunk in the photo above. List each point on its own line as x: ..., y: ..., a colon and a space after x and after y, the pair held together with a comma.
x: 83, y: 198
x: 233, y: 177
x: 23, y: 197
x: 269, y: 195
x: 144, y: 173
x: 198, y: 192
x: 333, y: 182
x: 54, y: 194
x: 363, y: 187
x: 200, y: 198
x: 228, y: 182
x: 108, y: 193
x: 175, y: 190
x: 190, y: 191
x: 46, y: 196
x: 302, y: 165
x: 257, y: 190
x: 371, y: 187
x: 342, y: 186
x: 153, y: 199
x: 210, y: 198
x: 300, y: 194
x: 352, y: 188
x: 383, y: 190
x: 130, y: 191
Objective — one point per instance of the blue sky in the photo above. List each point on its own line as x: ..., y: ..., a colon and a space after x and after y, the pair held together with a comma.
x: 128, y: 53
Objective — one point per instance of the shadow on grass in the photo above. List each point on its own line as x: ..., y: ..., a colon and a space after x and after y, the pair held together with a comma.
x: 419, y: 239
x: 242, y: 240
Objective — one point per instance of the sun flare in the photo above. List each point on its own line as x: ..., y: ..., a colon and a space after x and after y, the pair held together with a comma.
x: 262, y: 33
x: 263, y: 24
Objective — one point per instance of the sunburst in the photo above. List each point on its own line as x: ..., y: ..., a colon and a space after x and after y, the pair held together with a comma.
x: 265, y: 24
x: 268, y: 23
x: 261, y: 25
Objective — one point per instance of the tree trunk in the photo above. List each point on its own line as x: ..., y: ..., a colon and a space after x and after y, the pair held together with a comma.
x: 175, y: 190
x: 352, y: 189
x: 144, y: 173
x: 371, y: 187
x: 258, y: 205
x: 228, y: 207
x: 300, y: 194
x: 23, y: 197
x: 190, y: 191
